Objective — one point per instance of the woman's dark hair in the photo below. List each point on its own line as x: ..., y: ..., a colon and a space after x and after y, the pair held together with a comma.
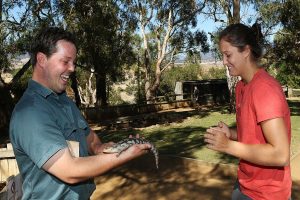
x: 45, y: 42
x: 240, y: 35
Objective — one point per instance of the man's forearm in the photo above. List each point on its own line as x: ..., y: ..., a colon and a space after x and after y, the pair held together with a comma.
x: 73, y: 170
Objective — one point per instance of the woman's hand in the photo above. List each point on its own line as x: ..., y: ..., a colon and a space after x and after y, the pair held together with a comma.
x: 224, y: 127
x: 217, y: 138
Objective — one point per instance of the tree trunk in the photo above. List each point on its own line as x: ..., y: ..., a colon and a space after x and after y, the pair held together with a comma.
x: 6, y: 107
x: 148, y: 93
x: 236, y: 11
x: 74, y: 86
x: 101, y: 89
x: 232, y: 81
x: 0, y: 11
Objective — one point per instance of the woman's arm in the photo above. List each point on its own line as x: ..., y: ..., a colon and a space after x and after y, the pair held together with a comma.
x: 276, y: 152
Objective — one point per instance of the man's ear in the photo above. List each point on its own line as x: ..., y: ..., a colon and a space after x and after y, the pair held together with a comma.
x: 41, y: 59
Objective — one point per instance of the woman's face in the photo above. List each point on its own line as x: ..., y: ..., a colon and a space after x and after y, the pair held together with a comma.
x: 233, y: 59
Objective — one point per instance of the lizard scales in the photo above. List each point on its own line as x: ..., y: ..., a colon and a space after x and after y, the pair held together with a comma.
x: 124, y: 144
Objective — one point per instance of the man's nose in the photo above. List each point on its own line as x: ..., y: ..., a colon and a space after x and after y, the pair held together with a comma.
x: 71, y: 67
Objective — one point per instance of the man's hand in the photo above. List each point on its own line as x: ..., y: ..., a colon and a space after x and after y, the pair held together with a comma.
x: 103, y: 146
x: 135, y: 151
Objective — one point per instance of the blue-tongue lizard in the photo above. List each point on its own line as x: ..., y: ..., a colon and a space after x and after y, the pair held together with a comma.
x: 124, y: 144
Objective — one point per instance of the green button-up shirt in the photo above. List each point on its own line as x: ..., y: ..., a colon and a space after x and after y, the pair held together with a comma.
x: 41, y: 123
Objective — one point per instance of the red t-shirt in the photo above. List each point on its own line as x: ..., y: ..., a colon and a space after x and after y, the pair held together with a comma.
x: 257, y: 101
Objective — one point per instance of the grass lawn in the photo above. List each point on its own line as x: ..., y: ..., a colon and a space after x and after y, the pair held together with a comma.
x: 186, y: 138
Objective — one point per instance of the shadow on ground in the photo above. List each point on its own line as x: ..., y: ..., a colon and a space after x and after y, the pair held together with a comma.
x: 176, y: 178
x: 296, y: 190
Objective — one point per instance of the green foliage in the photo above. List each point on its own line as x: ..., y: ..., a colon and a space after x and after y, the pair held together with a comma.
x: 180, y: 73
x: 3, y: 55
x: 270, y: 13
x: 21, y: 85
x: 283, y: 75
x: 104, y: 32
x: 83, y: 76
x: 115, y: 97
x: 20, y: 20
x: 167, y: 30
x: 285, y: 54
x: 213, y: 73
x: 131, y: 89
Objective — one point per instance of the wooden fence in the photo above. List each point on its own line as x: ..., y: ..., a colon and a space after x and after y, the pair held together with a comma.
x: 8, y: 164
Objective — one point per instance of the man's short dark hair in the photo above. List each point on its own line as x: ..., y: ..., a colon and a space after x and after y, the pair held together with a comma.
x: 45, y: 41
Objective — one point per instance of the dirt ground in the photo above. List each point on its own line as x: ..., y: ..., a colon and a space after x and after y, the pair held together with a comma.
x: 177, y: 178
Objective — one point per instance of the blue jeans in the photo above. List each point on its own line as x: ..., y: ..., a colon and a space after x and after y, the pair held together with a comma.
x: 237, y: 194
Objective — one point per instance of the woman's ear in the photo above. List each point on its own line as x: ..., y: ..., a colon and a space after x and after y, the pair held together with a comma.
x: 41, y: 59
x: 247, y: 51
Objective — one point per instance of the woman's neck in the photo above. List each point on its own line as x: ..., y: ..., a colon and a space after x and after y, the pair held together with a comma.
x: 249, y: 73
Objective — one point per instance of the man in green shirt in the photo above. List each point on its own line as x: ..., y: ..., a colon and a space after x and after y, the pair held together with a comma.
x: 45, y: 119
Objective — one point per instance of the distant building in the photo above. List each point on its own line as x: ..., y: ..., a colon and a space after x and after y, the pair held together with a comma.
x: 209, y: 91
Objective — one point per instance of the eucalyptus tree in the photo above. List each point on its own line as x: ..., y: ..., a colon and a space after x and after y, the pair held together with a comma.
x: 285, y: 54
x: 5, y: 107
x: 104, y: 33
x: 165, y: 26
x: 7, y: 49
x: 19, y: 19
x: 266, y: 16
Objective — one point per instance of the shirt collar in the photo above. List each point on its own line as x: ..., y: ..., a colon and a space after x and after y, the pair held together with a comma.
x: 40, y: 89
x: 255, y: 76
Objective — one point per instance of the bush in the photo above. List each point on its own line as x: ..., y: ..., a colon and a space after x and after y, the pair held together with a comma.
x: 181, y: 73
x: 187, y: 72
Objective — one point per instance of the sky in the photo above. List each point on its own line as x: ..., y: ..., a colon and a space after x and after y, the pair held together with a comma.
x: 248, y: 17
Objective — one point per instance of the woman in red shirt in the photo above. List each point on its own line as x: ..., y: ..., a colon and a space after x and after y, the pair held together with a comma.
x: 261, y: 139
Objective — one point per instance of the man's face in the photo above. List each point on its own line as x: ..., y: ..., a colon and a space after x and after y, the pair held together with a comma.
x: 59, y: 66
